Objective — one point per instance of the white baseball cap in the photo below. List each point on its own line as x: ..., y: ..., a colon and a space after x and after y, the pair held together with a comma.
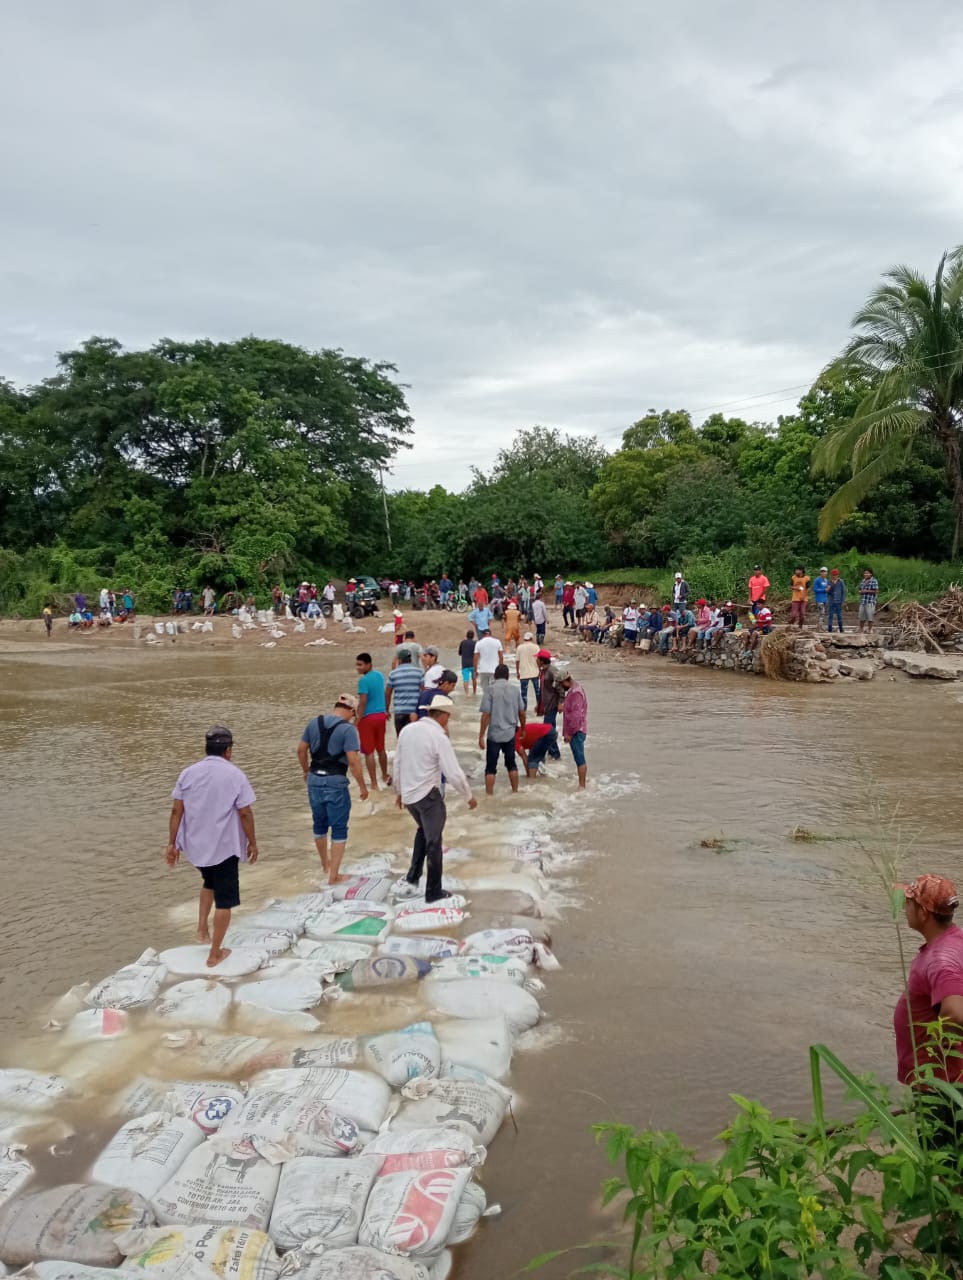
x: 527, y: 635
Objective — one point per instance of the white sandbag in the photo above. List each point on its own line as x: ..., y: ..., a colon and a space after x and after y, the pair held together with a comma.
x: 274, y: 1022
x: 412, y: 1212
x: 375, y: 864
x: 229, y: 1253
x: 356, y: 1262
x: 362, y: 889
x: 72, y: 1223
x: 286, y: 994
x: 199, y: 1002
x: 274, y: 942
x: 22, y: 1090
x: 403, y: 888
x: 457, y: 902
x: 236, y: 1056
x: 322, y: 1200
x: 64, y: 1271
x: 445, y: 1147
x: 205, y: 1102
x: 400, y: 1056
x: 330, y: 1051
x: 284, y: 1125
x: 360, y: 1095
x: 477, y: 1044
x: 146, y: 1151
x: 64, y: 1008
x: 358, y: 921
x: 506, y: 968
x: 484, y: 998
x: 514, y: 901
x: 433, y: 917
x: 339, y: 955
x: 222, y: 1183
x: 278, y: 915
x: 423, y: 948
x: 96, y: 1024
x: 191, y: 962
x: 132, y: 987
x: 310, y: 903
x: 15, y: 1172
x: 384, y: 971
x: 472, y: 1206
x: 159, y: 628
x: 476, y: 1107
x: 501, y: 942
x: 496, y: 921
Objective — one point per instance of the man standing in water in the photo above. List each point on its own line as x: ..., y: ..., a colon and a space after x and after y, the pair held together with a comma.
x: 372, y: 719
x: 502, y: 712
x: 548, y: 700
x: 212, y: 823
x: 329, y: 747
x: 424, y: 756
x: 575, y: 723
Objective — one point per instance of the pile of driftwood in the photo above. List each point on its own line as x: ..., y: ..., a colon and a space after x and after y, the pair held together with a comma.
x: 932, y: 627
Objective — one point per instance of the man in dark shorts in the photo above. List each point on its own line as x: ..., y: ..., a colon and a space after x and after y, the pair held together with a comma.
x: 502, y: 711
x: 212, y: 824
x: 328, y: 750
x: 466, y: 656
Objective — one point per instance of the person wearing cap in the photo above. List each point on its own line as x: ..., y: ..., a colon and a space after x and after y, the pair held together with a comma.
x: 444, y: 688
x: 351, y: 586
x: 758, y: 586
x: 580, y: 601
x: 868, y: 592
x: 588, y: 627
x: 466, y: 656
x: 703, y: 618
x: 526, y: 667
x: 423, y: 759
x: 592, y: 593
x: 211, y: 823
x: 680, y: 591
x: 575, y: 723
x: 836, y: 599
x: 568, y: 605
x: 431, y: 666
x: 540, y: 618
x: 488, y: 654
x: 821, y: 595
x: 630, y: 624
x: 399, y: 621
x: 800, y: 594
x: 550, y: 696
x: 532, y: 742
x: 501, y: 714
x: 328, y: 750
x: 404, y: 685
x: 729, y: 616
x: 372, y: 719
x: 934, y: 988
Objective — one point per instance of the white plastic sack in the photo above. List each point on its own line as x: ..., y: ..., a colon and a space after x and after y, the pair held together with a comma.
x: 477, y: 1044
x: 322, y: 1200
x: 72, y: 1223
x: 222, y: 1183
x: 418, y: 902
x: 207, y: 1103
x: 15, y: 1172
x: 472, y: 1206
x: 274, y: 1022
x: 339, y: 955
x: 96, y: 1024
x: 484, y: 998
x: 131, y: 987
x: 423, y: 948
x: 400, y: 1056
x: 506, y: 968
x: 199, y: 1002
x: 281, y: 995
x: 412, y: 1212
x: 351, y: 921
x: 22, y: 1090
x: 64, y: 1271
x: 278, y: 915
x: 236, y: 1056
x: 476, y: 1107
x: 230, y: 1253
x: 359, y: 1095
x: 191, y: 962
x: 284, y: 1125
x: 384, y: 971
x: 362, y: 889
x: 501, y: 942
x: 274, y: 942
x: 445, y: 1147
x: 355, y: 1262
x: 64, y: 1008
x: 146, y: 1151
x: 433, y: 917
x: 330, y: 1051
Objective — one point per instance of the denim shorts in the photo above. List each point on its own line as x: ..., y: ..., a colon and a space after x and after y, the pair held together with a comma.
x: 577, y: 744
x: 330, y: 806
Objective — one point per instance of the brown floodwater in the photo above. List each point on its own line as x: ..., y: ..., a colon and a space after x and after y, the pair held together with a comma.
x: 689, y: 972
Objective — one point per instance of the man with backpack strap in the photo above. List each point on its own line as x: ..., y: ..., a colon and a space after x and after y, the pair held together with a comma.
x: 328, y: 749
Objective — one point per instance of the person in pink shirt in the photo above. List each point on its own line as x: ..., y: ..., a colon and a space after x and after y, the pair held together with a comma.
x: 212, y: 824
x: 575, y: 723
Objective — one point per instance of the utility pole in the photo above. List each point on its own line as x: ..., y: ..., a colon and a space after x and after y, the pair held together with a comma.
x: 384, y: 501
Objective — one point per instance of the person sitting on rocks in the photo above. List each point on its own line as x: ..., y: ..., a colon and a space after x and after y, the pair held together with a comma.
x: 716, y: 624
x: 670, y: 623
x: 588, y: 627
x: 703, y: 618
x: 652, y: 625
x: 729, y: 618
x: 762, y: 628
x: 685, y: 624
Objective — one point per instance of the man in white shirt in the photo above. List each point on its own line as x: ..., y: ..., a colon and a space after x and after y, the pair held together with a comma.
x: 433, y: 668
x: 329, y: 592
x: 424, y: 755
x: 526, y: 667
x: 488, y: 655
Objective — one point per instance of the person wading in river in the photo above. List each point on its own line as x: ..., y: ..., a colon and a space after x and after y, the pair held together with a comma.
x: 372, y: 719
x: 502, y: 711
x: 212, y: 824
x: 575, y: 723
x: 328, y: 749
x: 423, y: 758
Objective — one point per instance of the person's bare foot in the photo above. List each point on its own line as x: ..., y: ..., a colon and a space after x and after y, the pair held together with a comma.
x: 387, y: 781
x: 338, y: 880
x: 216, y: 957
x: 203, y: 935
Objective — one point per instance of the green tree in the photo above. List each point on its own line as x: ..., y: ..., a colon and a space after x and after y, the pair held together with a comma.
x: 909, y: 345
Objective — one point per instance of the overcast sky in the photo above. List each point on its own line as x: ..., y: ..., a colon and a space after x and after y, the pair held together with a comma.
x: 541, y: 210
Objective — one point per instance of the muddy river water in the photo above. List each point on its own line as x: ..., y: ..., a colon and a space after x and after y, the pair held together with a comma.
x: 688, y: 972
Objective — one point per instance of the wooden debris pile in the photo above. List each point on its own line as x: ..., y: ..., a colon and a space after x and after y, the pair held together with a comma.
x: 933, y: 627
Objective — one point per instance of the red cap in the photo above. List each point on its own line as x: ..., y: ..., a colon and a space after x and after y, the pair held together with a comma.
x: 544, y: 653
x: 834, y: 572
x: 700, y: 602
x: 932, y: 893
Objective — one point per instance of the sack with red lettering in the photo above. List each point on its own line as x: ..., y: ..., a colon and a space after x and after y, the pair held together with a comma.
x: 355, y: 1262
x: 412, y: 1212
x: 440, y: 1147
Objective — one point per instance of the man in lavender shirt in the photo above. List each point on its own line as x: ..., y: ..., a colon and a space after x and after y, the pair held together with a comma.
x: 212, y: 824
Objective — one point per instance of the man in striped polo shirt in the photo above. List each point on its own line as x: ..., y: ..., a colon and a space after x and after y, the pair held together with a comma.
x: 403, y: 687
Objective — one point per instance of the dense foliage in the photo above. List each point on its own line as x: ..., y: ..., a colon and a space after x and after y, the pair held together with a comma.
x: 240, y: 464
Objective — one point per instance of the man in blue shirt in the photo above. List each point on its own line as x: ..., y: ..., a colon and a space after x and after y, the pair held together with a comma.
x: 481, y: 616
x: 328, y: 749
x: 404, y: 686
x: 592, y: 593
x: 443, y: 689
x: 821, y: 586
x: 445, y: 587
x: 372, y: 719
x: 837, y: 598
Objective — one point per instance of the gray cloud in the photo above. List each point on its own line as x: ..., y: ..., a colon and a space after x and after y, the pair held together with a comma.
x: 551, y: 212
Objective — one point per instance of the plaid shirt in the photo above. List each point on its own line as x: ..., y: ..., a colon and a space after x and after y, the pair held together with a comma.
x: 868, y: 591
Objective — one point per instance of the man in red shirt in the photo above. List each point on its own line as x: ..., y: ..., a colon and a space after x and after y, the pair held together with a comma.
x: 758, y: 586
x: 532, y: 742
x: 935, y: 983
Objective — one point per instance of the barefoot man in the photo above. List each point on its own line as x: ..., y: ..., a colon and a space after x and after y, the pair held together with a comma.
x: 329, y: 747
x: 212, y: 824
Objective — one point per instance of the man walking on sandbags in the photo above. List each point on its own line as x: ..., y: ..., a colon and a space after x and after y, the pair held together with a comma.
x: 502, y: 711
x: 329, y: 748
x: 212, y: 824
x: 424, y: 758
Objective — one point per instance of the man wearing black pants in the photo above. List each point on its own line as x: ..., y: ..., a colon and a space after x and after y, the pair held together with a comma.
x: 423, y: 757
x: 502, y: 711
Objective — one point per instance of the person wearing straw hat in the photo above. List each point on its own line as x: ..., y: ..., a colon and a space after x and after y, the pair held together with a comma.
x: 399, y: 620
x: 424, y: 759
x: 329, y: 749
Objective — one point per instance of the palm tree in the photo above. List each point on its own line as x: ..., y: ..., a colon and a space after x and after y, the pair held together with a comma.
x: 910, y: 345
